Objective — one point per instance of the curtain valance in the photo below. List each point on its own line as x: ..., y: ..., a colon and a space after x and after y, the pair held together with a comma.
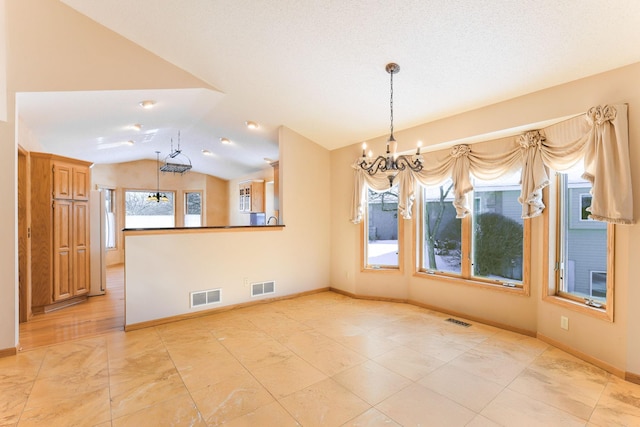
x: 599, y: 137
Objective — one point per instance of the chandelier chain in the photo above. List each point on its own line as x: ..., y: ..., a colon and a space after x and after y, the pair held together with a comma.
x: 391, y: 105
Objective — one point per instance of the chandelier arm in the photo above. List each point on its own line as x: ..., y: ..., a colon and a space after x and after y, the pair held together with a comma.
x: 379, y: 164
x: 404, y: 162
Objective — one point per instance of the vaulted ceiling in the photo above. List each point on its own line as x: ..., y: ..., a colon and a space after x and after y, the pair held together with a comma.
x: 317, y: 67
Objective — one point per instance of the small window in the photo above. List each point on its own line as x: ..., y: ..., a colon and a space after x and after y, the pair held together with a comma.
x: 585, y: 203
x: 381, y: 230
x: 142, y: 212
x: 193, y: 209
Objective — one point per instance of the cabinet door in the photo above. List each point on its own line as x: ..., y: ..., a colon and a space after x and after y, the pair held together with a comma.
x: 62, y: 262
x: 62, y: 181
x: 257, y: 197
x: 80, y: 248
x: 81, y: 183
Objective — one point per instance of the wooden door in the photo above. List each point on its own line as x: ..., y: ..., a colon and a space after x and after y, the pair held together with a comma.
x: 80, y: 246
x: 62, y: 247
x: 62, y: 181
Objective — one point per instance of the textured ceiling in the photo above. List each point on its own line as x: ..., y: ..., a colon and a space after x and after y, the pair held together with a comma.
x: 317, y: 67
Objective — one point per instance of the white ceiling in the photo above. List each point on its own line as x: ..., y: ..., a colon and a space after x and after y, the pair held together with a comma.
x: 317, y: 67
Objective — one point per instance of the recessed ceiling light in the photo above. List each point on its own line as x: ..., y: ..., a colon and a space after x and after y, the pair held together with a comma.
x: 149, y: 103
x: 225, y: 140
x: 136, y: 126
x: 207, y: 152
x: 251, y: 125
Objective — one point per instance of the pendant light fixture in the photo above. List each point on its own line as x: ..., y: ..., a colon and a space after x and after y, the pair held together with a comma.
x: 157, y: 196
x: 391, y: 163
x: 176, y: 161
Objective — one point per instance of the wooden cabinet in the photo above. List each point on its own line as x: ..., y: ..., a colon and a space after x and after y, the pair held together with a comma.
x: 59, y: 231
x: 251, y: 196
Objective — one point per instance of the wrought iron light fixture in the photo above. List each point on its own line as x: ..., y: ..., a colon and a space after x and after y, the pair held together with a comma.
x: 391, y: 163
x: 157, y: 196
x: 176, y: 162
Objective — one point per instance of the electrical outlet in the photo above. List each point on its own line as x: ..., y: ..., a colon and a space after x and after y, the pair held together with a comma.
x: 564, y: 323
x: 245, y: 281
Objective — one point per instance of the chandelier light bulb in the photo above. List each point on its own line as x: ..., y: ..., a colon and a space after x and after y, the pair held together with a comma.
x: 364, y: 148
x: 419, y: 145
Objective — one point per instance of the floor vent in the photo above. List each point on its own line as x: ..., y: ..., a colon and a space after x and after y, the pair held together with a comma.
x: 201, y: 298
x: 458, y: 322
x: 263, y: 288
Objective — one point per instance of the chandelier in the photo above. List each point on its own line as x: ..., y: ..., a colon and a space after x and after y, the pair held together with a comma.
x: 157, y: 196
x: 392, y: 163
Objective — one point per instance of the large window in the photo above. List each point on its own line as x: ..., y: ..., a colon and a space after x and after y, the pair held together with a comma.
x: 381, y: 230
x: 140, y: 212
x: 488, y: 246
x: 584, y: 250
x: 193, y: 209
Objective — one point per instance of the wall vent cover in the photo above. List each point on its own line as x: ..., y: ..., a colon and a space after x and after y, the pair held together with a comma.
x: 263, y: 288
x: 200, y: 298
x: 458, y: 322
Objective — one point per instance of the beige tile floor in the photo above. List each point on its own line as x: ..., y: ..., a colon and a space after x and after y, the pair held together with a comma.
x: 319, y: 360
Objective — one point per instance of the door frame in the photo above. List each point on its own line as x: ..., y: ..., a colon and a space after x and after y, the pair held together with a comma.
x: 24, y: 236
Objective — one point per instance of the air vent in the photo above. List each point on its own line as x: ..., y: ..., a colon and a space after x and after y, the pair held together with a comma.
x: 263, y: 288
x: 201, y: 298
x: 458, y: 322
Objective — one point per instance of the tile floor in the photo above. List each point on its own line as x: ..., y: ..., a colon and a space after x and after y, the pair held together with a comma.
x: 318, y: 360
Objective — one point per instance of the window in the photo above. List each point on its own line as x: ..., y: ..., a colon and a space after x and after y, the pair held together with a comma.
x: 110, y: 218
x: 143, y: 213
x: 193, y: 209
x: 442, y: 238
x: 584, y: 249
x: 381, y: 230
x: 489, y: 246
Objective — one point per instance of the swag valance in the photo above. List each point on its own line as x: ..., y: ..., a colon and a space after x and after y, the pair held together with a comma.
x: 599, y: 138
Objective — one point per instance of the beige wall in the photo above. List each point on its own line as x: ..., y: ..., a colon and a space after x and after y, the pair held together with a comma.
x: 141, y: 175
x: 3, y: 66
x: 296, y: 257
x: 616, y: 344
x: 216, y: 201
x: 50, y: 47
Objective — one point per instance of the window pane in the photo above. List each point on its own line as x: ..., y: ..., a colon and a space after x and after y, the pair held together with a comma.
x: 442, y: 237
x: 497, y: 236
x: 382, y: 241
x: 143, y: 213
x: 583, y: 251
x: 193, y: 210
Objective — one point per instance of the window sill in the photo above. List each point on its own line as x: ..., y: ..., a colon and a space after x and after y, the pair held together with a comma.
x: 382, y: 270
x: 498, y: 287
x: 598, y: 313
